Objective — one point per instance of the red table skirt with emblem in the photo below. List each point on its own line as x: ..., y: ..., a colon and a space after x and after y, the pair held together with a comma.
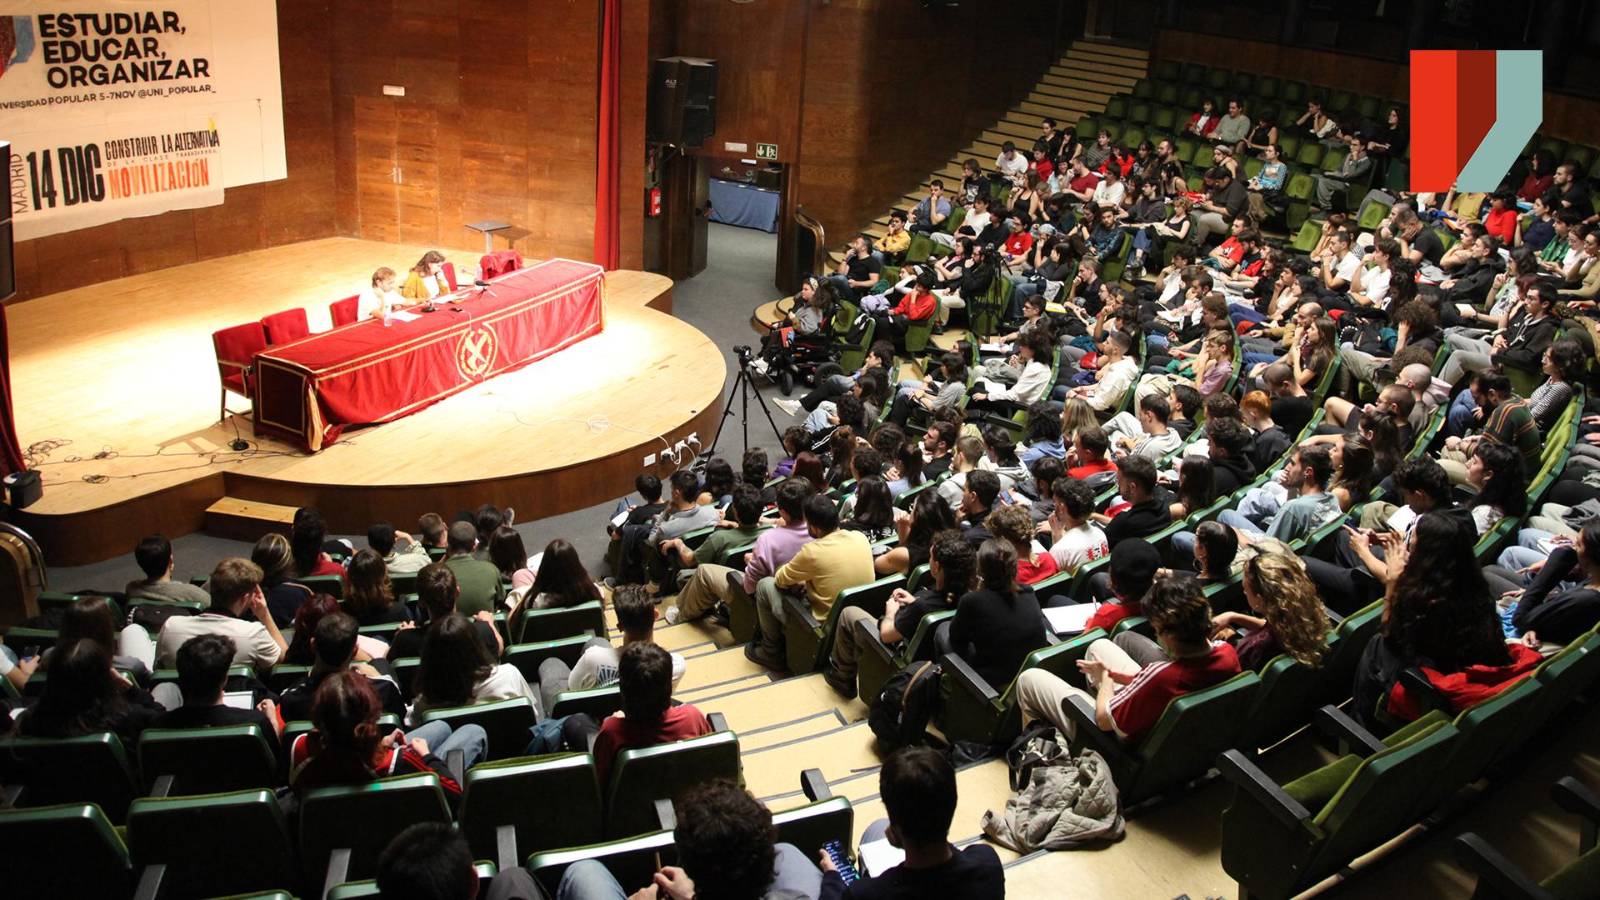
x: 365, y: 373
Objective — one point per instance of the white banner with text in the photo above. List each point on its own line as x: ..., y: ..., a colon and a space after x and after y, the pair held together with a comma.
x: 116, y: 109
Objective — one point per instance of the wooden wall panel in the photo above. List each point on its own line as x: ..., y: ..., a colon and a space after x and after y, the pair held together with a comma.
x: 250, y: 217
x: 893, y: 89
x: 758, y: 49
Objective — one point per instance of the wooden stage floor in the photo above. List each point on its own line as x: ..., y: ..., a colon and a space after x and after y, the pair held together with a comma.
x: 125, y: 371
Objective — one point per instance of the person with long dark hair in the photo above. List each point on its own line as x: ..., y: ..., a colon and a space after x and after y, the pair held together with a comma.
x: 370, y: 595
x: 562, y: 580
x: 1355, y: 470
x: 1495, y: 472
x: 1197, y: 487
x: 84, y: 695
x: 510, y: 556
x: 94, y: 618
x: 929, y: 516
x: 1437, y: 609
x: 456, y: 670
x: 873, y: 511
x: 1216, y: 546
x: 307, y: 536
x: 997, y: 625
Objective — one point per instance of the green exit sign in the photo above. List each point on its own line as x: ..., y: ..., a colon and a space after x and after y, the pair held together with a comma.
x: 766, y: 151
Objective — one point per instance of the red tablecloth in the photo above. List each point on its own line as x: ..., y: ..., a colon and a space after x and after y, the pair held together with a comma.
x: 365, y: 373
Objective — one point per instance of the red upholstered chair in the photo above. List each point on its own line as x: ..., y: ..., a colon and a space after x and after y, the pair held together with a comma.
x: 449, y: 269
x: 236, y: 353
x: 286, y: 326
x: 500, y: 262
x: 343, y: 312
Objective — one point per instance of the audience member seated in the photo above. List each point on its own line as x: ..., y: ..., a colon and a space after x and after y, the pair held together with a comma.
x: 1286, y: 615
x: 202, y: 679
x: 308, y: 541
x: 437, y: 592
x: 1146, y: 511
x: 333, y: 646
x: 708, y: 588
x: 433, y: 534
x: 155, y: 559
x: 997, y: 625
x: 918, y: 788
x: 478, y: 580
x: 510, y: 557
x: 725, y: 842
x: 457, y: 671
x: 597, y: 667
x: 276, y: 559
x: 561, y: 581
x: 1074, y: 537
x: 951, y: 574
x: 833, y: 560
x: 648, y: 716
x: 85, y: 695
x: 238, y: 611
x: 346, y: 746
x: 742, y: 526
x: 871, y: 510
x: 1121, y: 588
x: 402, y: 554
x: 1550, y: 612
x: 930, y: 515
x: 1437, y: 610
x: 95, y: 618
x: 1147, y: 435
x: 1014, y: 525
x: 369, y: 595
x: 978, y: 498
x: 431, y: 861
x: 1131, y: 678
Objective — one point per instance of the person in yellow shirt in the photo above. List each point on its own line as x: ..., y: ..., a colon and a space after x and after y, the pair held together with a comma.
x: 426, y: 280
x: 835, y: 560
x: 895, y: 241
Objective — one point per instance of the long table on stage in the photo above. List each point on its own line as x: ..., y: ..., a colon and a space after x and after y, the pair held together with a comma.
x: 368, y: 372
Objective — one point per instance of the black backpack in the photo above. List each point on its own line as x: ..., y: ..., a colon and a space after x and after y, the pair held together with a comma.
x: 900, y: 715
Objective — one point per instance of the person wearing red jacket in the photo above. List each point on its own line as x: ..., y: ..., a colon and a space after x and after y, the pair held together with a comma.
x: 917, y: 305
x: 1202, y: 123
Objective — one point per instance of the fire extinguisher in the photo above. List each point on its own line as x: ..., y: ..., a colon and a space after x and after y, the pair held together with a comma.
x: 652, y: 202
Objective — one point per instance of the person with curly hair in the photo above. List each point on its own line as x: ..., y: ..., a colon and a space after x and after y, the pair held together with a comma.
x: 1131, y: 678
x: 726, y: 849
x: 1286, y: 615
x: 1437, y: 608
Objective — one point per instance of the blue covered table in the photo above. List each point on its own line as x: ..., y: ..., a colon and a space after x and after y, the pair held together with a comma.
x: 745, y: 205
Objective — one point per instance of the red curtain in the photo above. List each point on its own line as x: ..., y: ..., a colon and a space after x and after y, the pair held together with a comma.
x: 608, y: 155
x: 10, y: 452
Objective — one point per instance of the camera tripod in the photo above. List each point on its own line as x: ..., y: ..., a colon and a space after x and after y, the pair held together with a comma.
x: 743, y: 388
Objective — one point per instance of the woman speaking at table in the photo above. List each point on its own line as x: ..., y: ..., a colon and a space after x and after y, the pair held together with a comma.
x: 426, y: 279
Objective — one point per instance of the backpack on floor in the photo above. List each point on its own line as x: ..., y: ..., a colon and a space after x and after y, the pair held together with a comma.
x: 899, y: 716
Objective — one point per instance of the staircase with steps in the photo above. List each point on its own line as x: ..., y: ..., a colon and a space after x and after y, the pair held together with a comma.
x: 789, y: 724
x: 1078, y: 84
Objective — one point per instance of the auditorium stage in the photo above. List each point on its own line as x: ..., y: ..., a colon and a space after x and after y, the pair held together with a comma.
x: 126, y: 368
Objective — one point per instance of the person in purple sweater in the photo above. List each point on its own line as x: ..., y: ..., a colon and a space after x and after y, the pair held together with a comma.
x: 708, y: 589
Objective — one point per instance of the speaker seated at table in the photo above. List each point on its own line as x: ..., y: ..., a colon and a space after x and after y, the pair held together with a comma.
x: 430, y: 277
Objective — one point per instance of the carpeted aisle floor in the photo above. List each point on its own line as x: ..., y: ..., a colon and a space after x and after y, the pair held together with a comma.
x: 718, y: 301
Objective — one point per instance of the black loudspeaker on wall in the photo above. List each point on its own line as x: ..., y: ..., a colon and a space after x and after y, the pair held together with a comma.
x: 683, y: 101
x: 8, y: 272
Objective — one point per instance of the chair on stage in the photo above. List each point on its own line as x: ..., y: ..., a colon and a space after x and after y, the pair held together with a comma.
x: 236, y: 352
x: 343, y: 312
x: 284, y: 327
x: 449, y: 270
x: 499, y: 262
